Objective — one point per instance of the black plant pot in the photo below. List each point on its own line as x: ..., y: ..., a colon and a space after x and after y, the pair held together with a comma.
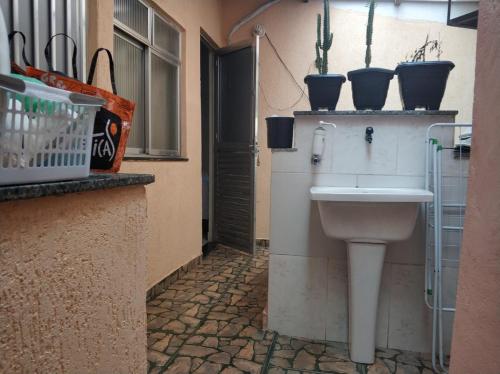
x: 369, y: 87
x: 422, y: 84
x: 324, y: 90
x: 279, y: 132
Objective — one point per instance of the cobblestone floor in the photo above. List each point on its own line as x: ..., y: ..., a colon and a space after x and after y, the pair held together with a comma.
x: 210, y: 321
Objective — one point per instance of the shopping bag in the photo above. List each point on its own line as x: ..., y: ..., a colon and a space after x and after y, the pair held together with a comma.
x: 112, y: 122
x: 15, y: 68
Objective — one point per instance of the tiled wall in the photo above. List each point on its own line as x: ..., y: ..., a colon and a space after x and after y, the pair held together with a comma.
x: 308, y: 271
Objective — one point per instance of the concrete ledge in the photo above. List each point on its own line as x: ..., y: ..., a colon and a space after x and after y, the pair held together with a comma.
x: 92, y: 183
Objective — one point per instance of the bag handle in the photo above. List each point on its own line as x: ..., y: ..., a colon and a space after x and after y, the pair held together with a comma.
x: 111, y: 68
x: 48, y: 55
x: 23, y: 37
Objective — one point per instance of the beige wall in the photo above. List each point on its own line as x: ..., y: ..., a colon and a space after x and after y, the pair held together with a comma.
x: 72, y: 279
x: 476, y: 340
x: 291, y: 27
x: 174, y: 200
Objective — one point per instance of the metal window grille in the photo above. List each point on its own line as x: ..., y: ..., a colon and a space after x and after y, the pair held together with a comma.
x: 148, y: 63
x: 38, y: 20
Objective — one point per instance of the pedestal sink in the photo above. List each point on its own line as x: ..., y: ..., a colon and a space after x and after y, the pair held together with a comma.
x: 367, y: 219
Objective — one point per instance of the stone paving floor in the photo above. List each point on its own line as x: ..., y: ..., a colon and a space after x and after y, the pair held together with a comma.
x: 210, y: 321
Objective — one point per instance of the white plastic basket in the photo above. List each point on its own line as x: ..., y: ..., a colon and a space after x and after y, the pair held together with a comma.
x: 45, y: 132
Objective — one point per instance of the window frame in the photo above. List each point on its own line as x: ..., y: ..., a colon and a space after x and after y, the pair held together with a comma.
x: 150, y: 48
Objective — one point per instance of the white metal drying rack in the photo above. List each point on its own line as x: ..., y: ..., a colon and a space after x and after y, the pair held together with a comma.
x: 434, y: 237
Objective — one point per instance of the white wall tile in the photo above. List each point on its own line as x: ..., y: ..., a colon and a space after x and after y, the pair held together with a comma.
x: 454, y: 167
x: 410, y: 320
x: 298, y: 296
x: 337, y: 306
x: 300, y: 161
x: 290, y: 212
x: 412, y: 146
x: 335, y: 180
x: 401, y: 181
x: 351, y: 154
x: 295, y: 223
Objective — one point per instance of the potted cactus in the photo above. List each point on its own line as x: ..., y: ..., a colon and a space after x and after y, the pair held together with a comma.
x: 370, y: 85
x: 324, y: 88
x: 422, y: 83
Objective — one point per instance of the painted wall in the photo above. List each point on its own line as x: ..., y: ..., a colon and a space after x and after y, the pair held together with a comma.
x: 476, y: 341
x: 174, y: 200
x: 72, y: 279
x: 308, y: 271
x: 291, y: 27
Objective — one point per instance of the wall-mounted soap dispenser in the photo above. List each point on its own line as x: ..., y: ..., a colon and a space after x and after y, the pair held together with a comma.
x: 319, y: 138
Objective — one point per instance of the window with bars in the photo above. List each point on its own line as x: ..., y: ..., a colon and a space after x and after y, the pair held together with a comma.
x: 147, y: 51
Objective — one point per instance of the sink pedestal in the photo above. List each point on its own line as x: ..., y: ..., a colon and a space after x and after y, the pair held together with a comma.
x: 366, y: 261
x: 367, y: 219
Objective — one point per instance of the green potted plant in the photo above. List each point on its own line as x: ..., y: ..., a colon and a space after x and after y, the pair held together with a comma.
x: 370, y: 85
x: 324, y: 88
x: 422, y: 83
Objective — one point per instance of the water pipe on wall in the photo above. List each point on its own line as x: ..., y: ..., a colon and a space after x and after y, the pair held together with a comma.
x: 249, y: 17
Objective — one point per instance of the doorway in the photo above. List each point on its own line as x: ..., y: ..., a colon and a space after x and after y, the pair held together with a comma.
x: 235, y: 148
x: 228, y: 146
x: 207, y: 77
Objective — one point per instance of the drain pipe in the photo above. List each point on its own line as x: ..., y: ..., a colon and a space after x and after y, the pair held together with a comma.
x: 249, y: 17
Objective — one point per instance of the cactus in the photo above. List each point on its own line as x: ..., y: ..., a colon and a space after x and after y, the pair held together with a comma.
x: 322, y: 61
x: 369, y: 33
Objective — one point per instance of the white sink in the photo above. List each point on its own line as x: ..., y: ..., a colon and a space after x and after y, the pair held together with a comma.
x: 374, y: 195
x: 367, y: 219
x: 372, y: 215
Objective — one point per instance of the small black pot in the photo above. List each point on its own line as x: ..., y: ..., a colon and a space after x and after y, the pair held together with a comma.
x: 279, y: 132
x: 324, y: 90
x: 369, y: 87
x: 422, y: 84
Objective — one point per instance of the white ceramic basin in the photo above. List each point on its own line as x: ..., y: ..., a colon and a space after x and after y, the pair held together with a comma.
x: 372, y: 215
x: 374, y: 195
x: 367, y: 219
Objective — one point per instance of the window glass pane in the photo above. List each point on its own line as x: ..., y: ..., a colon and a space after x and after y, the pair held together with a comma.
x: 133, y: 14
x: 164, y: 104
x: 166, y: 37
x: 130, y: 82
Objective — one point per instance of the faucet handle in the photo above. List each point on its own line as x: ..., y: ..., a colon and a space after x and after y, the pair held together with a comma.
x: 369, y: 134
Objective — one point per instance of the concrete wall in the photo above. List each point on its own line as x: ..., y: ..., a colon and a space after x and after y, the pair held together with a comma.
x: 174, y: 200
x: 476, y: 340
x: 291, y: 27
x: 72, y: 280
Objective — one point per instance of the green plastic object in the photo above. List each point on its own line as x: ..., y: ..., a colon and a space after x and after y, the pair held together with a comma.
x: 42, y: 106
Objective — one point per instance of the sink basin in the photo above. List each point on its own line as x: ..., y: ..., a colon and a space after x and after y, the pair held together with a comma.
x: 375, y: 195
x: 367, y: 219
x: 373, y: 215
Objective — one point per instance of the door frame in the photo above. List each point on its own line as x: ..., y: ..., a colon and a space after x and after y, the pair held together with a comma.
x: 254, y: 44
x: 205, y: 39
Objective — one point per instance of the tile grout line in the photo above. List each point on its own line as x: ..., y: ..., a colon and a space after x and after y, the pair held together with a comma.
x: 176, y: 353
x: 269, y: 355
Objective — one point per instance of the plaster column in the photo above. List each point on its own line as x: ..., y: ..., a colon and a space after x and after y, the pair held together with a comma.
x: 476, y: 334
